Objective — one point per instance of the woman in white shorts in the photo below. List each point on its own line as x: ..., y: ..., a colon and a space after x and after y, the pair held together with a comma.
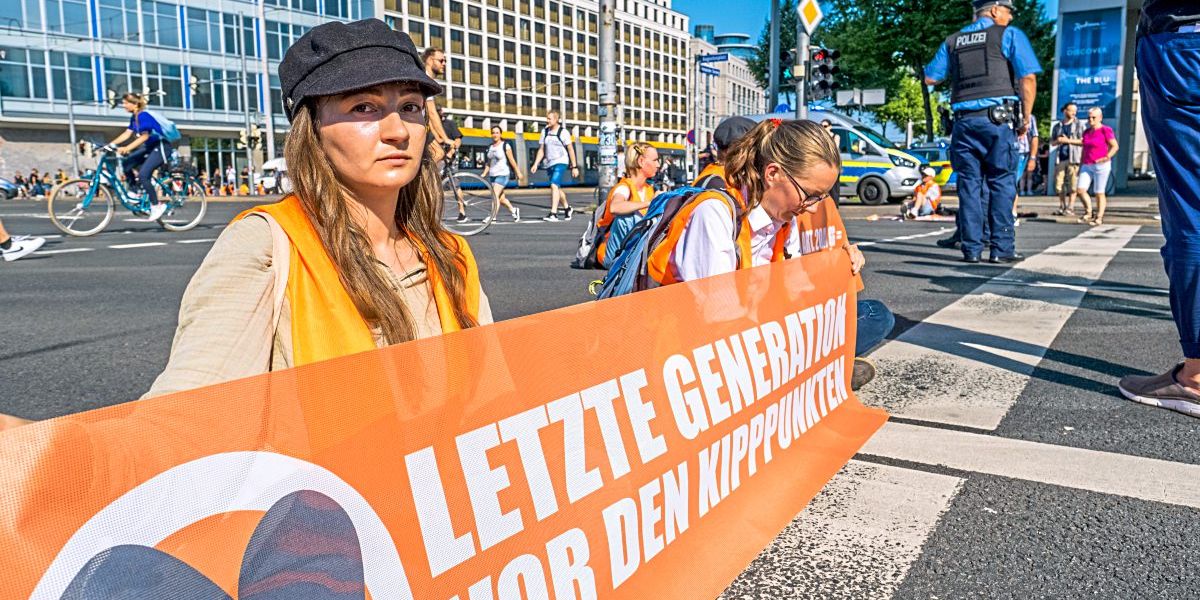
x: 1099, y: 147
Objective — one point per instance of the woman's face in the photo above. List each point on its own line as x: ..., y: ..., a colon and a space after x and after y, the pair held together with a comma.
x: 374, y: 138
x: 495, y: 135
x: 786, y: 197
x: 129, y: 106
x: 649, y: 162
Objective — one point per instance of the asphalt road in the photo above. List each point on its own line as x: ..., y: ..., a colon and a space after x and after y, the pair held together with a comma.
x: 1011, y: 467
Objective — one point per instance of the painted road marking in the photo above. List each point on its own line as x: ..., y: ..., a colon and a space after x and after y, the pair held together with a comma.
x: 968, y: 363
x: 138, y: 245
x: 196, y: 241
x: 1154, y: 250
x: 64, y: 251
x: 856, y: 539
x: 904, y: 237
x: 1078, y: 468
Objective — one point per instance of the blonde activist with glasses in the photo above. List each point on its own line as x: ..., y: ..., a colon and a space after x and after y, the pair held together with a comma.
x: 776, y: 171
x: 357, y: 257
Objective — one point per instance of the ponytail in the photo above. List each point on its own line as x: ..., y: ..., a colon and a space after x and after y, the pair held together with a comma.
x: 797, y: 146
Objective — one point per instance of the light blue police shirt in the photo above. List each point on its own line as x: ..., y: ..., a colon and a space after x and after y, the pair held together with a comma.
x: 1016, y: 48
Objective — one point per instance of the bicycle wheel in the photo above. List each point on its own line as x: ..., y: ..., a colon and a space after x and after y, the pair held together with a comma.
x: 76, y: 210
x: 468, y: 204
x: 187, y: 203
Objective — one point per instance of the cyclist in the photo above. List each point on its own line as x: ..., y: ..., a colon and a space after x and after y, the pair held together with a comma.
x: 12, y: 248
x: 779, y: 170
x: 370, y: 262
x: 497, y: 171
x: 557, y: 146
x: 147, y: 152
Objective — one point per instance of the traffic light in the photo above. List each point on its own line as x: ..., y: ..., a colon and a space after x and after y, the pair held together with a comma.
x: 823, y: 69
x: 194, y: 84
x: 788, y: 60
x: 255, y: 136
x: 243, y: 139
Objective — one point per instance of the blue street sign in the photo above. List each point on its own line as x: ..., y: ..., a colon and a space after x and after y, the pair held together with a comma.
x: 712, y: 58
x: 709, y: 70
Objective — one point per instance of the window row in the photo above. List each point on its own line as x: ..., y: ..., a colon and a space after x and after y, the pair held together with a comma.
x: 472, y: 15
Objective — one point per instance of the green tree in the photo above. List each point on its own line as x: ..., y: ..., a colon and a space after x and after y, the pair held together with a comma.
x: 760, y: 63
x: 905, y: 105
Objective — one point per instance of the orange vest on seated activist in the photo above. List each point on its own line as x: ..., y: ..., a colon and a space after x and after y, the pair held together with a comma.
x: 676, y: 433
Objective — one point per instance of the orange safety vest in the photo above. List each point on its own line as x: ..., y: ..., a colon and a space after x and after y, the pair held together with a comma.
x: 716, y: 169
x: 658, y: 264
x: 922, y: 190
x: 325, y: 322
x: 607, y: 217
x: 826, y: 216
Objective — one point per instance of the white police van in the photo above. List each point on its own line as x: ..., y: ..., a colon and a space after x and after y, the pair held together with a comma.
x: 873, y: 168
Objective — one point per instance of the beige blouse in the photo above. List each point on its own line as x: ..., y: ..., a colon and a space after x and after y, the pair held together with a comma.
x: 226, y: 329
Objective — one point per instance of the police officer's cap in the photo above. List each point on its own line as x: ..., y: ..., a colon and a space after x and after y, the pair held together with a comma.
x: 731, y: 130
x: 982, y: 4
x: 334, y: 58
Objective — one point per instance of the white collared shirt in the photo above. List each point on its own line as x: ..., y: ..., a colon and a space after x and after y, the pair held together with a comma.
x: 763, y: 230
x: 706, y: 247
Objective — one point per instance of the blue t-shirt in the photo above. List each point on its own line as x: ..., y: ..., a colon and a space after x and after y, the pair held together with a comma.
x: 141, y: 123
x: 1016, y: 48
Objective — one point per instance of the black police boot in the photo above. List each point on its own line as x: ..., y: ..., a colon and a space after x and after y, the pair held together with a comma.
x: 950, y: 242
x: 970, y: 258
x: 1016, y: 257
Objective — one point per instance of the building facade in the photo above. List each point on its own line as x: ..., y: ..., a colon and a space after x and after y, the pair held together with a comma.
x: 714, y: 98
x: 64, y: 61
x: 509, y: 62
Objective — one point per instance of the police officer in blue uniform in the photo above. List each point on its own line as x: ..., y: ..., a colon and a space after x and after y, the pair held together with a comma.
x: 992, y: 70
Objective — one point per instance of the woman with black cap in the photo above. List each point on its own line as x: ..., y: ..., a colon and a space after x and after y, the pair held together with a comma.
x: 357, y: 257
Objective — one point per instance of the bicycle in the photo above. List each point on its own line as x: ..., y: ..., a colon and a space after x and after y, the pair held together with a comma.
x: 468, y: 203
x: 85, y: 206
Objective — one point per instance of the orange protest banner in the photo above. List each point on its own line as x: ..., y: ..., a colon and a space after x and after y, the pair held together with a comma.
x: 647, y: 446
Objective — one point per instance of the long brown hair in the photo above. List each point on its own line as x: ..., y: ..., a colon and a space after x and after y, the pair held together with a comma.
x: 794, y: 145
x: 418, y: 216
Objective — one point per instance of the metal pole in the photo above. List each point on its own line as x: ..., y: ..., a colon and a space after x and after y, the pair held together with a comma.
x: 707, y: 108
x: 71, y: 116
x: 266, y: 84
x: 245, y: 111
x: 800, y: 70
x: 773, y: 58
x: 608, y: 96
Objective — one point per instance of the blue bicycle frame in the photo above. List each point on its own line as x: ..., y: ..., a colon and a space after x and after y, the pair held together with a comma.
x: 107, y: 172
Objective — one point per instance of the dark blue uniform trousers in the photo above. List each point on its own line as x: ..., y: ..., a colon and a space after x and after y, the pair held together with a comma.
x: 1169, y: 72
x: 983, y: 154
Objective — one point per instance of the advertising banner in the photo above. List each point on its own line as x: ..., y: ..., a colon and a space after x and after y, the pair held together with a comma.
x: 1090, y: 54
x: 647, y: 446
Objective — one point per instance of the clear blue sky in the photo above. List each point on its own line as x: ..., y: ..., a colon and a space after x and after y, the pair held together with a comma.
x: 748, y: 16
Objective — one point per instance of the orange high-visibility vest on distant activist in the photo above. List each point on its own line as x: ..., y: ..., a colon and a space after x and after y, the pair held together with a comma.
x: 714, y: 169
x: 607, y: 217
x: 325, y: 322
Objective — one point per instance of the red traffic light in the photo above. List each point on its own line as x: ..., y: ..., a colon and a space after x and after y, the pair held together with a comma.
x: 820, y: 54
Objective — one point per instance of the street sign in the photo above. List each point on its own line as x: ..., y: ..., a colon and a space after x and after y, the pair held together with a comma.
x: 707, y: 70
x: 847, y: 97
x: 874, y: 97
x: 712, y: 58
x: 810, y: 15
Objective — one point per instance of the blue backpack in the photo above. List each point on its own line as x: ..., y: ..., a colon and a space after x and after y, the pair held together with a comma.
x: 166, y: 127
x: 628, y: 272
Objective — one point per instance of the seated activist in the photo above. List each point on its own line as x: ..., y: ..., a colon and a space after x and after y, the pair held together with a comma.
x: 782, y: 168
x: 369, y: 263
x: 728, y: 131
x: 627, y: 201
x: 927, y: 197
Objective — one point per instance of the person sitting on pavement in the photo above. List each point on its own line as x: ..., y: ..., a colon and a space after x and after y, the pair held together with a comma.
x: 13, y: 248
x: 357, y: 258
x: 500, y: 168
x: 627, y: 201
x: 927, y: 197
x: 728, y: 131
x: 778, y: 170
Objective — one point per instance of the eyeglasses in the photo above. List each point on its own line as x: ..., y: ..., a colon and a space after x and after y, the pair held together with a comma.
x: 806, y: 199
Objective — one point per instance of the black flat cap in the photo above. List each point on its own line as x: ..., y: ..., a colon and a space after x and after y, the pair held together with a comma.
x: 731, y: 130
x: 981, y: 4
x: 334, y: 58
